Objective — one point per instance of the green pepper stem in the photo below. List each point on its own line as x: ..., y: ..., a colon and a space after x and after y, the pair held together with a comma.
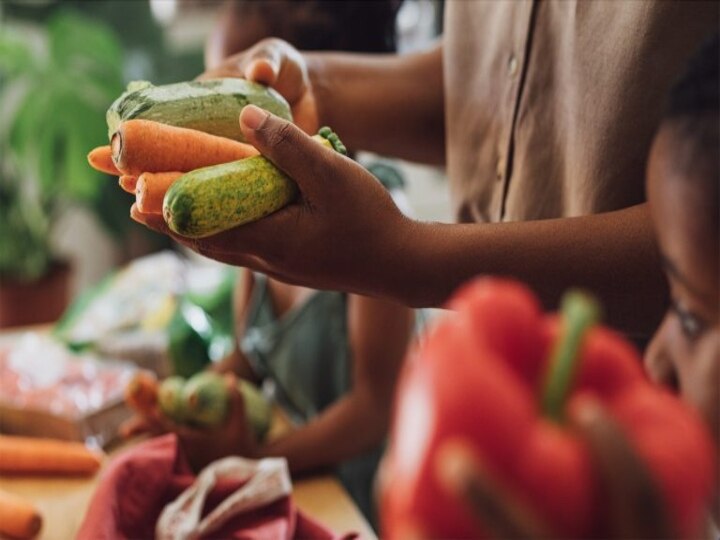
x: 579, y: 313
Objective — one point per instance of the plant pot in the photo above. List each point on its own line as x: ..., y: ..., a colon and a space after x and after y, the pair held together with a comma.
x: 35, y: 302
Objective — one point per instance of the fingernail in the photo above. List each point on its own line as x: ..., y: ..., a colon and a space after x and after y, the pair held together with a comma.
x: 253, y: 117
x: 586, y: 409
x: 135, y: 215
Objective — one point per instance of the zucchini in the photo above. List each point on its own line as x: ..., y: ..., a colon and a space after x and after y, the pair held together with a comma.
x: 212, y: 106
x: 207, y: 201
x: 205, y: 400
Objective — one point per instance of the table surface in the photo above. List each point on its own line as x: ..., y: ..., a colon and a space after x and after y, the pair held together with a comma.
x: 62, y: 501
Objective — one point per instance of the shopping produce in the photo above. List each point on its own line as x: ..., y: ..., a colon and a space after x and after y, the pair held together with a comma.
x: 26, y: 455
x: 141, y: 393
x: 18, y: 517
x: 504, y: 378
x: 212, y: 106
x: 213, y: 199
x: 201, y: 401
x: 140, y: 146
x: 170, y: 398
x: 100, y: 158
x: 150, y: 190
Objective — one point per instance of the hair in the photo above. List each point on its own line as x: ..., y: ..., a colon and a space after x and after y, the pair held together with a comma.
x: 693, y: 112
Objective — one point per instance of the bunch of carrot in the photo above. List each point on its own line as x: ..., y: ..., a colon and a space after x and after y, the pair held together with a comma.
x: 149, y: 156
x: 24, y: 455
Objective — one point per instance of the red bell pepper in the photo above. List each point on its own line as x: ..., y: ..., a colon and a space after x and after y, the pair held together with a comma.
x: 484, y: 375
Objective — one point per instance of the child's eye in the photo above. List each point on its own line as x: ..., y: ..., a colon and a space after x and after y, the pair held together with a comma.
x: 692, y: 325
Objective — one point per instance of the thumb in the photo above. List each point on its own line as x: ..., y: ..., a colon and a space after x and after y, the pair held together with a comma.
x: 291, y: 150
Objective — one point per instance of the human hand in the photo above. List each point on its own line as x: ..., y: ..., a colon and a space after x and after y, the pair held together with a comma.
x: 275, y: 63
x: 343, y: 232
x: 634, y: 507
x: 202, y: 446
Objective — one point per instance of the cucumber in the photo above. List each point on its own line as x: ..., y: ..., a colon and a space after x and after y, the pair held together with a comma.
x: 212, y: 106
x: 213, y: 199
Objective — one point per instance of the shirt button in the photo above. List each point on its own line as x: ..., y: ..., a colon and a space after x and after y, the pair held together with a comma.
x: 500, y: 170
x: 512, y: 66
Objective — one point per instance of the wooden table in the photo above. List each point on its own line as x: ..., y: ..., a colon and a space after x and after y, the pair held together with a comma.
x: 63, y: 501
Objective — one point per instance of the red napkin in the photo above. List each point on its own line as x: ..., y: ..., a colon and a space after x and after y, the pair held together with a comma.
x: 138, y: 484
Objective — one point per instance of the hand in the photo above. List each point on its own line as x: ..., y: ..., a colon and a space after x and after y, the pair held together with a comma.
x: 202, y: 446
x: 634, y: 506
x: 344, y: 231
x: 275, y: 63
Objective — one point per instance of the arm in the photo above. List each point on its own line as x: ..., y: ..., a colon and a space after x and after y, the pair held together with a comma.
x: 389, y: 104
x: 379, y: 335
x: 613, y: 255
x: 236, y: 362
x: 346, y: 233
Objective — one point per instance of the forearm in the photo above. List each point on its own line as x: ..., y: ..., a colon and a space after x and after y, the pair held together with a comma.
x: 388, y: 104
x: 613, y: 255
x: 346, y: 429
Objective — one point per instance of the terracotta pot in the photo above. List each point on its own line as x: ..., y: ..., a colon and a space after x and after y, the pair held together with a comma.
x: 35, y: 302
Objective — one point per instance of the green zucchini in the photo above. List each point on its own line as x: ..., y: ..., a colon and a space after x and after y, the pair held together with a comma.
x: 170, y: 398
x: 212, y: 106
x: 205, y: 401
x: 207, y: 201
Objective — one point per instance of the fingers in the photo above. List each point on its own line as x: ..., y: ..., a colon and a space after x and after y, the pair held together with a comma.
x: 634, y: 504
x: 236, y: 408
x: 460, y: 470
x: 289, y: 148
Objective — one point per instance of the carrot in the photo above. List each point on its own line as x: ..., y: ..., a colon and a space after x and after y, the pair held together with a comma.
x: 141, y: 392
x: 150, y: 190
x: 140, y: 146
x: 128, y: 182
x: 18, y: 517
x: 100, y: 159
x: 25, y: 455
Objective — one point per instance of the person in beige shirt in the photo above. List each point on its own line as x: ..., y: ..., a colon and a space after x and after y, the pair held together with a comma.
x: 543, y: 112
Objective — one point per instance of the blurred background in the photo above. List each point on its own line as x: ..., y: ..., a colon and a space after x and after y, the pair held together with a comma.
x: 63, y: 226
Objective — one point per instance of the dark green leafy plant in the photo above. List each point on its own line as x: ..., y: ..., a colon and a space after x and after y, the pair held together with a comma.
x: 56, y: 83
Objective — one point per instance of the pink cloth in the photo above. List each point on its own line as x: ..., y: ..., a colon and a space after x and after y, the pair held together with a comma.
x: 140, y: 482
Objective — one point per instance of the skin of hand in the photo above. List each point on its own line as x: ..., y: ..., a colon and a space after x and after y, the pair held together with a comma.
x: 275, y: 63
x: 634, y: 507
x: 343, y: 211
x: 344, y: 233
x: 685, y: 351
x: 202, y: 446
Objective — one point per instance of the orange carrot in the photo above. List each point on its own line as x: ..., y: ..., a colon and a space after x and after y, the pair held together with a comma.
x: 140, y: 146
x: 141, y: 392
x: 100, y: 159
x: 18, y: 517
x: 151, y: 188
x: 128, y: 182
x: 25, y: 455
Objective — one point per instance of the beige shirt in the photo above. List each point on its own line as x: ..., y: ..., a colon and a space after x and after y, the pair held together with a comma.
x: 551, y: 106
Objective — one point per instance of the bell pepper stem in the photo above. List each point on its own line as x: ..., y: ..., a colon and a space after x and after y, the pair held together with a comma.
x: 579, y: 313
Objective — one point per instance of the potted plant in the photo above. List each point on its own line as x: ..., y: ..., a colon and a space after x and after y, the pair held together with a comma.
x: 56, y: 82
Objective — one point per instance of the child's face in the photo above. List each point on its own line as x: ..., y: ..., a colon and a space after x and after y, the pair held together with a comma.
x: 685, y: 350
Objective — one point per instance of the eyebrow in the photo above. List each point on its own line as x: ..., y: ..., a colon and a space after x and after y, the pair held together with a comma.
x: 671, y: 269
